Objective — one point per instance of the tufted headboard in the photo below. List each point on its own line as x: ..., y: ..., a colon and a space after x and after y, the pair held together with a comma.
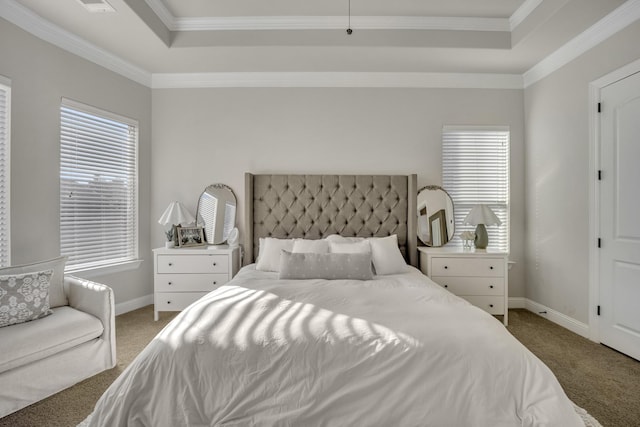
x: 315, y: 206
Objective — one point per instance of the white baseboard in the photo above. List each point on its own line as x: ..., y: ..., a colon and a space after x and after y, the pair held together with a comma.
x: 563, y: 320
x: 517, y: 302
x: 134, y: 304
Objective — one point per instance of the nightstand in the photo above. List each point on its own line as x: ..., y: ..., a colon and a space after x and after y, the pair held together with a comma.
x: 480, y: 277
x: 181, y: 276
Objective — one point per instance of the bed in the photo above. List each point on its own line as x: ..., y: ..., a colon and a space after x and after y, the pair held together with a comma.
x: 391, y: 349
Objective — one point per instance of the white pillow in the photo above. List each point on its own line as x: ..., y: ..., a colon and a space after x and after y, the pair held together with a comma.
x: 350, y: 248
x: 306, y: 246
x: 386, y: 255
x: 341, y: 239
x: 269, y: 253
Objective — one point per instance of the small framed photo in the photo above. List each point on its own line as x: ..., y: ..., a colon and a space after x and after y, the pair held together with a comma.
x: 190, y: 236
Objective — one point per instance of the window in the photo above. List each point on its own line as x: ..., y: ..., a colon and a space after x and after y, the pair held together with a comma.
x: 98, y: 187
x: 5, y: 137
x: 475, y: 169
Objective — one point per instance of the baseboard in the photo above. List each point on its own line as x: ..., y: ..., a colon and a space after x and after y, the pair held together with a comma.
x: 517, y: 302
x: 134, y: 304
x: 563, y: 320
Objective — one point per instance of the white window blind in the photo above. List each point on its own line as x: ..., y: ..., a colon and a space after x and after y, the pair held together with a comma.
x: 98, y: 187
x: 475, y: 170
x: 5, y: 137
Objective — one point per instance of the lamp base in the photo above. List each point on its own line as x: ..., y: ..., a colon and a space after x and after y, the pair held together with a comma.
x: 482, y: 239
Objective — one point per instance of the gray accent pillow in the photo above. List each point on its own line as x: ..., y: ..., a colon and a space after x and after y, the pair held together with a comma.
x: 325, y: 266
x: 57, y: 296
x: 24, y: 297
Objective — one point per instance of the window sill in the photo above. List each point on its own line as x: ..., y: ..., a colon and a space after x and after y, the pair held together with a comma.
x: 88, y: 273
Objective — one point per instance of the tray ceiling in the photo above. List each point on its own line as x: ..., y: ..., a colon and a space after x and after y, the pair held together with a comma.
x: 222, y: 36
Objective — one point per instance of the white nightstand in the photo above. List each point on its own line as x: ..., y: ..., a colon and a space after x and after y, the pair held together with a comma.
x: 480, y: 277
x: 181, y: 276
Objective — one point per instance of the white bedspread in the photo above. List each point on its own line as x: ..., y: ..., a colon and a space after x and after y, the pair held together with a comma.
x: 394, y: 351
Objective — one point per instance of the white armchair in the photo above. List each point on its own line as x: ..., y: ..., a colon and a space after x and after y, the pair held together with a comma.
x: 45, y: 356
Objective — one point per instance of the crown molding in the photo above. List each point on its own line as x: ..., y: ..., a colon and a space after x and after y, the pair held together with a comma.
x: 174, y: 23
x: 160, y: 9
x: 29, y: 21
x: 617, y: 20
x: 522, y: 13
x: 258, y: 23
x: 337, y: 79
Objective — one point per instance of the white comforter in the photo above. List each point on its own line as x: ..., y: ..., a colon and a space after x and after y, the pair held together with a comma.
x: 394, y: 351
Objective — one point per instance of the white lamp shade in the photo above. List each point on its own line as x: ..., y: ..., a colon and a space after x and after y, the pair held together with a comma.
x: 482, y: 214
x: 176, y: 214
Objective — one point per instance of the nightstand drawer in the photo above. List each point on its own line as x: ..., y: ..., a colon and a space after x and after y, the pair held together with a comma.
x: 459, y: 266
x: 193, y: 264
x: 190, y: 282
x: 471, y: 285
x: 176, y: 301
x: 490, y: 304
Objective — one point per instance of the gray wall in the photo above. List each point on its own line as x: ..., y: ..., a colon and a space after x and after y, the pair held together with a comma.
x: 557, y: 176
x: 204, y: 136
x: 41, y: 75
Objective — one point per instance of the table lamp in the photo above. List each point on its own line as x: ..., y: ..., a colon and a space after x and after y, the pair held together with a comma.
x: 481, y: 216
x: 174, y: 215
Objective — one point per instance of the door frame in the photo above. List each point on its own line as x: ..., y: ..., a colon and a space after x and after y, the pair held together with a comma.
x: 595, y: 88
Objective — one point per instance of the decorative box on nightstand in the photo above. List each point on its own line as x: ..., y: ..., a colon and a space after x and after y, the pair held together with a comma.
x: 480, y: 277
x: 181, y: 276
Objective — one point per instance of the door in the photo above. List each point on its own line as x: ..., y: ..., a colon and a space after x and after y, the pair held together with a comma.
x: 620, y: 216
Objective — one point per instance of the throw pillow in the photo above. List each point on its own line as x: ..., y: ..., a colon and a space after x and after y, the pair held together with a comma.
x: 57, y: 296
x: 24, y: 297
x: 325, y: 266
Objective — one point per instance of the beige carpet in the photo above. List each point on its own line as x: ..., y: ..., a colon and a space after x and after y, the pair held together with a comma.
x: 600, y: 380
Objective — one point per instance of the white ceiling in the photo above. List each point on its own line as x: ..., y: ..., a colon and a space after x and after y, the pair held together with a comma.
x: 429, y: 36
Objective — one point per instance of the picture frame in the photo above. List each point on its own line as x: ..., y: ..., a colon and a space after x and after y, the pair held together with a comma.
x: 190, y: 236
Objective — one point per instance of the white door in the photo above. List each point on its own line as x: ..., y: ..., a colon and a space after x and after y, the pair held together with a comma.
x: 620, y: 216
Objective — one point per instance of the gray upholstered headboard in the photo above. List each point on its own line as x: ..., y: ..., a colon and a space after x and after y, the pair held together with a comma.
x: 315, y: 206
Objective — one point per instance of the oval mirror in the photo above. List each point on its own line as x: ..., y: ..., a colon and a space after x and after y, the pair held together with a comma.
x: 436, y: 223
x: 216, y: 212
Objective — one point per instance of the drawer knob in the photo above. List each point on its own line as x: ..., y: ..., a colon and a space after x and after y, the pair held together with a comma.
x: 168, y: 302
x: 170, y: 264
x: 491, y: 305
x: 215, y: 283
x: 170, y: 283
x: 445, y: 267
x: 214, y: 264
x: 490, y: 286
x: 491, y: 268
x: 446, y: 286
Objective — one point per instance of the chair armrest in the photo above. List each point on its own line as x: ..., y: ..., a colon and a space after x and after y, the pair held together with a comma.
x: 95, y: 299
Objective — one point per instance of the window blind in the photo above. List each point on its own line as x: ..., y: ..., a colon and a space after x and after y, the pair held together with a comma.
x: 5, y: 136
x: 98, y: 187
x: 475, y: 170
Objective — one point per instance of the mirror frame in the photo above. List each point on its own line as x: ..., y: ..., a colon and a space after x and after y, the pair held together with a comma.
x: 453, y: 211
x: 216, y: 186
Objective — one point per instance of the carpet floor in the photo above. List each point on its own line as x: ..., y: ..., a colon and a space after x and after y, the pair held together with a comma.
x: 597, y: 378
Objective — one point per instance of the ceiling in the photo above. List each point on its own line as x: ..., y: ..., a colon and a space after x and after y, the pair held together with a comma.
x: 410, y: 36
